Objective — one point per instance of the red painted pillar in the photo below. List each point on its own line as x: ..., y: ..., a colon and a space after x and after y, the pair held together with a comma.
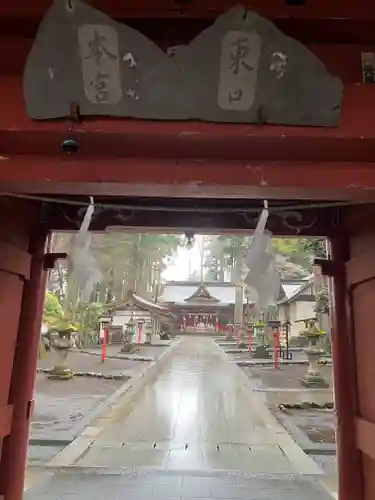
x: 15, y: 445
x: 344, y: 376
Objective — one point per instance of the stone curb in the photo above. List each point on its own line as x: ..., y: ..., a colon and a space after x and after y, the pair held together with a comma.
x: 56, y: 443
x: 33, y: 476
x: 122, y: 397
x: 90, y: 374
x: 282, y: 438
x: 125, y: 357
x: 306, y: 405
x: 281, y: 362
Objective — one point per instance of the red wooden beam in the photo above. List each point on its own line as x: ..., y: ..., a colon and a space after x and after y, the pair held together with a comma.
x: 190, y: 144
x: 171, y: 31
x: 353, y: 140
x: 353, y: 9
x: 109, y: 176
x: 356, y: 120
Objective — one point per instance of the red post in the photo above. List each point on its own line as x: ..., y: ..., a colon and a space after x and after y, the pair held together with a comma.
x: 345, y: 379
x: 15, y: 445
x: 275, y: 348
x: 104, y: 345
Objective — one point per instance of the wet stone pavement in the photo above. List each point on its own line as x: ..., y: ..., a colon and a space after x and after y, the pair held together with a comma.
x: 196, y: 431
x: 133, y: 484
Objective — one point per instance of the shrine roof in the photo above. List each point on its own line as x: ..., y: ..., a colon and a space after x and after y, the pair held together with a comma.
x: 186, y: 293
x: 179, y: 292
x: 133, y: 299
x: 293, y: 291
x: 291, y: 287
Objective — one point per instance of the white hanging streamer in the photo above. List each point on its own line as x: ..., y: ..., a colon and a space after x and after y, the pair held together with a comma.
x: 85, y: 267
x: 262, y: 277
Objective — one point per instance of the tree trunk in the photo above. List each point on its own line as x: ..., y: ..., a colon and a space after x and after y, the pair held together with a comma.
x: 221, y: 268
x: 157, y: 283
x: 102, y: 296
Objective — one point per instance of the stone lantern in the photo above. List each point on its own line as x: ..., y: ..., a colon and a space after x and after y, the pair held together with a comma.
x: 230, y: 332
x: 61, y: 341
x: 313, y: 377
x: 128, y: 333
x: 259, y: 342
x: 148, y: 333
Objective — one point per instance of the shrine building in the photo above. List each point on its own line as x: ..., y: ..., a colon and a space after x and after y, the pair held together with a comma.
x: 208, y: 307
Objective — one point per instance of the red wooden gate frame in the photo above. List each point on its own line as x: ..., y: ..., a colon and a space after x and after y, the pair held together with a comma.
x: 195, y: 160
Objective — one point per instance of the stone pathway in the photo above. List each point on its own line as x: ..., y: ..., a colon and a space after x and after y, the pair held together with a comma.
x: 202, y: 431
x: 130, y: 484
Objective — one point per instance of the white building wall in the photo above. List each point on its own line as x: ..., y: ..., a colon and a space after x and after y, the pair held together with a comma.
x: 300, y: 310
x: 294, y: 312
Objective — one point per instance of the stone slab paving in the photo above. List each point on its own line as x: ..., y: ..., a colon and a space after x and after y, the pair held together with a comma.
x: 133, y: 484
x: 196, y: 432
x: 198, y: 414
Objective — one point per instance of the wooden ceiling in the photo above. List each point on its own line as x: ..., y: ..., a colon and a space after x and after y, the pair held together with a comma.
x: 310, y: 21
x: 272, y: 9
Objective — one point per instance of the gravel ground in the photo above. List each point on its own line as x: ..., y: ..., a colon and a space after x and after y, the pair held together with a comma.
x: 312, y: 429
x: 60, y: 406
x: 286, y: 377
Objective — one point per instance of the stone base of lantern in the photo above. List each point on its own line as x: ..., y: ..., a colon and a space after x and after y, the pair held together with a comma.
x: 261, y: 352
x: 313, y: 378
x: 127, y: 348
x: 60, y: 373
x: 242, y: 344
x: 314, y: 382
x: 148, y: 340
